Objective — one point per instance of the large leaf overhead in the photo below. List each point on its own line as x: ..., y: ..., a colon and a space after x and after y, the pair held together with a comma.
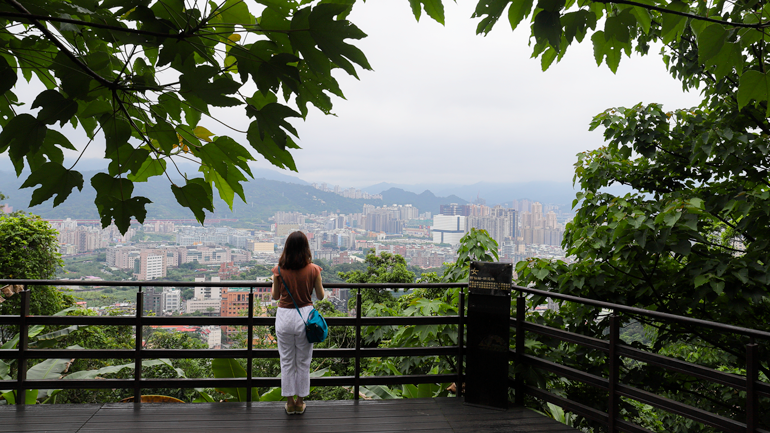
x: 141, y: 79
x: 138, y: 77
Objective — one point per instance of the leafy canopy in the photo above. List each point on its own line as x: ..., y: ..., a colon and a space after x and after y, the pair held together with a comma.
x: 141, y: 78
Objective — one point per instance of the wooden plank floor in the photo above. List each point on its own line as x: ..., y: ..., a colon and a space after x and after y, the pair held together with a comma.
x: 378, y: 416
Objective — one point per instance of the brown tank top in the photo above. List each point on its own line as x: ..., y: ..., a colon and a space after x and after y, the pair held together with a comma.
x: 300, y: 282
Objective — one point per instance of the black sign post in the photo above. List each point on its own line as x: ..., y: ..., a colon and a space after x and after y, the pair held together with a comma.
x: 489, y: 311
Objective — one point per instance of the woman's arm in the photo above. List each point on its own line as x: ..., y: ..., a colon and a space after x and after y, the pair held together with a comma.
x: 276, y: 288
x: 319, y: 288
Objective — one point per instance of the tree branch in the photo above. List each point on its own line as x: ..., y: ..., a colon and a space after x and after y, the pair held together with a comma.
x: 684, y: 14
x: 36, y: 18
x: 43, y: 29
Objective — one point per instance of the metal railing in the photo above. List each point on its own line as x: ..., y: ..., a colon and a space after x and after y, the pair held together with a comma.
x: 615, y: 350
x: 612, y: 347
x: 23, y: 353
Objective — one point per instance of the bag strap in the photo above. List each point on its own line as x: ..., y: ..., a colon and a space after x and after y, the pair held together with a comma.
x: 292, y: 297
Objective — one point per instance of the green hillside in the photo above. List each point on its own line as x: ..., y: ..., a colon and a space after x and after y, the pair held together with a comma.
x: 265, y: 197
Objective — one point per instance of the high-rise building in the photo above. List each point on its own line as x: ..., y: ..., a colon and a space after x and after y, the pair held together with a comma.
x: 455, y: 209
x: 448, y: 229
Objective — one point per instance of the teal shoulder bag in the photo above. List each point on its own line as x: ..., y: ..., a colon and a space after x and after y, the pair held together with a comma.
x: 315, y: 325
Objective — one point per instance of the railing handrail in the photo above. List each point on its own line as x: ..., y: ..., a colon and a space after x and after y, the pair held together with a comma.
x: 649, y: 313
x: 226, y: 283
x: 333, y: 285
x: 138, y: 320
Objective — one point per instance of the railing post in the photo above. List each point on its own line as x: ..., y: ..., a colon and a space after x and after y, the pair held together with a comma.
x: 357, y: 378
x: 250, y: 345
x: 521, y: 310
x: 21, y: 390
x: 460, y: 338
x: 752, y: 375
x: 614, y: 371
x: 138, y: 347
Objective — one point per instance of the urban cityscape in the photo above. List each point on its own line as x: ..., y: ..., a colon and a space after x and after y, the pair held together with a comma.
x: 221, y: 252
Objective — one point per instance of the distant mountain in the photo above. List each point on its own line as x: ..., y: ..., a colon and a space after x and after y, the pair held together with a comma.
x: 425, y: 201
x: 559, y: 193
x: 264, y: 197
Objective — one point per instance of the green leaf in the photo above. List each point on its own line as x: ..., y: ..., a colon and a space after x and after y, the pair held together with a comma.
x: 673, y: 25
x: 276, y: 155
x: 643, y: 17
x: 8, y: 76
x: 702, y: 279
x: 195, y: 195
x: 710, y: 42
x: 151, y: 167
x: 196, y: 84
x: 519, y: 10
x: 230, y: 369
x: 24, y: 135
x: 620, y: 26
x: 434, y: 9
x: 236, y: 12
x: 117, y: 131
x: 547, y: 26
x: 96, y: 107
x: 48, y: 369
x: 164, y: 134
x: 53, y: 179
x: 490, y: 10
x: 330, y: 34
x: 114, y: 201
x: 55, y: 107
x: 753, y: 85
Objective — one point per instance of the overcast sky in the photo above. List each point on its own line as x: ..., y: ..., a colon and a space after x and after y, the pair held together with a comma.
x: 446, y: 106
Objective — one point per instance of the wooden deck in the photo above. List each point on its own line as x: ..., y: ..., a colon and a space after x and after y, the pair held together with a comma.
x: 429, y: 415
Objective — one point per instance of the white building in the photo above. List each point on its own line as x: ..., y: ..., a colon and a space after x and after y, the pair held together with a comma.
x: 202, y: 293
x: 448, y: 229
x: 171, y: 300
x: 212, y: 335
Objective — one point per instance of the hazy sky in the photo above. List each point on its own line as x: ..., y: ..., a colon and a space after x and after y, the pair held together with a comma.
x: 446, y: 106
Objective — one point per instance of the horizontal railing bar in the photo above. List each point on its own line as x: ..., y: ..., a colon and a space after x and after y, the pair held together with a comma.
x: 187, y: 383
x: 221, y: 354
x: 413, y: 379
x: 570, y: 337
x: 563, y: 370
x: 572, y: 406
x: 735, y: 381
x: 554, y: 295
x: 762, y: 388
x: 588, y: 412
x: 682, y: 409
x: 648, y: 313
x: 409, y: 320
x: 240, y: 284
x: 218, y: 320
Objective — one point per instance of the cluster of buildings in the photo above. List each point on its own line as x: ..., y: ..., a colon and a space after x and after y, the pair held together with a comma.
x: 345, y: 192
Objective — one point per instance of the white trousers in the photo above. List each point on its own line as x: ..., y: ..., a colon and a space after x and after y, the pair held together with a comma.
x: 295, y: 351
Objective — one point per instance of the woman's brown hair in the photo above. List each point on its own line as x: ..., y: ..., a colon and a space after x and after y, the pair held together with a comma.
x: 296, y: 252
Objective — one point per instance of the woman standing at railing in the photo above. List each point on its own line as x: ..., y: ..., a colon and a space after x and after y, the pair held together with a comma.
x: 301, y: 277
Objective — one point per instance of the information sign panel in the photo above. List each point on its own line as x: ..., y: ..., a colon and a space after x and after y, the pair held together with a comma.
x: 489, y: 305
x: 490, y: 278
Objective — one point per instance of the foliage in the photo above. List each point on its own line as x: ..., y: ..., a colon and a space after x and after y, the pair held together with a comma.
x: 29, y: 250
x: 71, y: 337
x: 476, y: 245
x: 255, y: 270
x: 385, y: 268
x: 144, y: 78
